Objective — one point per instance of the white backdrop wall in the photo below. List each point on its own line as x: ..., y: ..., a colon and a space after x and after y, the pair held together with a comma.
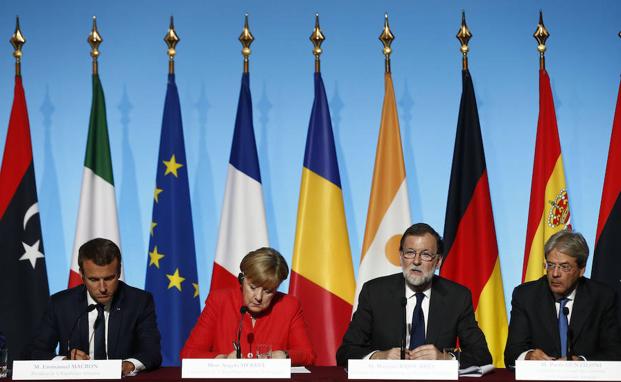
x: 583, y: 62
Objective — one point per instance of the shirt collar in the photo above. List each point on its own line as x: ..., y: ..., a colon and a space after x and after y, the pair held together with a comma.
x: 409, y: 292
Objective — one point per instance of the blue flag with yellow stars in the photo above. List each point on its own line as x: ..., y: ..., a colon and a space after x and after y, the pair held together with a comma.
x: 171, y: 266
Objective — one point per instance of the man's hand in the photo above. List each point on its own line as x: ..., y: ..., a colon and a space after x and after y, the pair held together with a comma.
x: 279, y: 354
x: 77, y: 354
x: 538, y: 355
x: 127, y: 368
x: 426, y: 352
x: 394, y: 353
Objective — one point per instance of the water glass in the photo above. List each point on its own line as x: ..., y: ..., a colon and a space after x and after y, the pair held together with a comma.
x: 264, y: 351
x: 4, y: 362
x: 452, y: 353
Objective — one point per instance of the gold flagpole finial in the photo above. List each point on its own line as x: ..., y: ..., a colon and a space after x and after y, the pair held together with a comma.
x: 541, y: 35
x: 246, y: 38
x: 386, y: 37
x: 94, y: 40
x: 17, y: 40
x: 171, y: 39
x: 464, y: 35
x: 317, y: 38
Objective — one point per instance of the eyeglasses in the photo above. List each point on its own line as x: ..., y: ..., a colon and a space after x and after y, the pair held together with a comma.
x: 424, y: 255
x: 565, y: 268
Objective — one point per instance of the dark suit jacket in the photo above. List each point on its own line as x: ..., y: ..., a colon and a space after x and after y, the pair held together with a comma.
x: 534, y: 323
x: 378, y: 322
x: 132, y: 327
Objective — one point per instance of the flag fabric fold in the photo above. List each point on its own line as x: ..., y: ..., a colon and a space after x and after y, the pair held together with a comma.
x: 242, y: 222
x: 607, y: 254
x: 171, y: 265
x: 322, y: 275
x: 471, y: 249
x: 97, y: 214
x: 388, y: 215
x: 549, y: 200
x: 23, y: 275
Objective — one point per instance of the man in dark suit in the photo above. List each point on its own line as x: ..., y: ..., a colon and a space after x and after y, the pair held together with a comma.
x: 436, y: 310
x: 102, y: 319
x: 563, y: 314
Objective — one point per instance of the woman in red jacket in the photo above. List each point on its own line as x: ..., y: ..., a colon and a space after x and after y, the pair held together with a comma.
x: 273, y: 318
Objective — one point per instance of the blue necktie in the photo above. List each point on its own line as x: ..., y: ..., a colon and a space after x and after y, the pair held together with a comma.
x: 562, y: 326
x: 100, y: 333
x: 417, y: 334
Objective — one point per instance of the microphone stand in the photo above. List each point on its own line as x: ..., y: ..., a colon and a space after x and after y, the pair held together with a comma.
x: 237, y: 344
x: 404, y: 302
x: 89, y: 309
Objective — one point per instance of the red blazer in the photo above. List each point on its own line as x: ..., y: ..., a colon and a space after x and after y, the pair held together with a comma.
x: 281, y: 325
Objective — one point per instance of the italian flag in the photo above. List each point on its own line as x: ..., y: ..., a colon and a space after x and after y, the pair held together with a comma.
x: 97, y: 215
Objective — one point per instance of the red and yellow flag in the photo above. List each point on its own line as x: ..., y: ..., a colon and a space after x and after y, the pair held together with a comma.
x: 549, y: 201
x: 322, y: 275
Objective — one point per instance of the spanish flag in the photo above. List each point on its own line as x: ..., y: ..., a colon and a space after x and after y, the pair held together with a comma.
x: 549, y: 200
x: 322, y: 275
x: 389, y: 209
x: 469, y: 234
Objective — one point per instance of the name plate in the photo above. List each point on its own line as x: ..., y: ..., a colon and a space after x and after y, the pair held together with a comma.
x: 402, y: 369
x: 568, y: 370
x: 236, y: 368
x: 66, y: 369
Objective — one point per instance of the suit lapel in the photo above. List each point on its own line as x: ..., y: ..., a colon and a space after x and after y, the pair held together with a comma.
x: 437, y: 306
x: 549, y: 315
x: 398, y: 318
x: 115, y: 320
x: 580, y: 310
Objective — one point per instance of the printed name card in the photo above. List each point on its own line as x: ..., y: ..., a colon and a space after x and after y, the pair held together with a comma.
x: 236, y: 368
x: 568, y: 370
x: 402, y: 369
x: 65, y: 369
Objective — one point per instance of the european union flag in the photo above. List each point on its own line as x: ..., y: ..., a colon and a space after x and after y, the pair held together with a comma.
x: 171, y: 268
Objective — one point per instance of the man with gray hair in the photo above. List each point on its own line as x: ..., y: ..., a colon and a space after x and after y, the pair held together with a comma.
x: 563, y: 315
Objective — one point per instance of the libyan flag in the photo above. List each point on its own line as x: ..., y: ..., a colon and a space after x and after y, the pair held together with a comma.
x: 23, y: 276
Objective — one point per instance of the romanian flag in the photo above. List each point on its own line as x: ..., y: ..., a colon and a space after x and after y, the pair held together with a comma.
x: 469, y: 234
x: 607, y: 254
x: 389, y: 209
x: 97, y: 215
x: 242, y: 224
x: 549, y: 200
x: 322, y: 275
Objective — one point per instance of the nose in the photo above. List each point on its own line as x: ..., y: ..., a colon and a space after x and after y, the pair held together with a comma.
x: 102, y: 286
x: 556, y: 272
x: 258, y: 294
x: 417, y: 260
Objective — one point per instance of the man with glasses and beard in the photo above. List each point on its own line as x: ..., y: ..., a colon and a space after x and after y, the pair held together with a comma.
x: 435, y: 311
x: 563, y: 315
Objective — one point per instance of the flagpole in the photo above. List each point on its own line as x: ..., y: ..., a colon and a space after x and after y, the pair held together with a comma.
x: 386, y: 37
x: 246, y: 38
x: 171, y: 39
x: 17, y: 40
x: 464, y: 35
x: 317, y: 38
x: 541, y: 35
x: 94, y: 40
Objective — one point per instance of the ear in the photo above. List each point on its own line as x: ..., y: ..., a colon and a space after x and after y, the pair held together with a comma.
x: 439, y: 265
x: 241, y: 277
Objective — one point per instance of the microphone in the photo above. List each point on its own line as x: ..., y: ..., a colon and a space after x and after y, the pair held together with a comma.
x: 88, y: 309
x: 570, y: 336
x: 404, y: 302
x: 237, y: 344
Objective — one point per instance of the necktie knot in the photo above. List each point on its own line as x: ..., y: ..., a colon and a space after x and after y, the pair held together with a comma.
x: 419, y: 297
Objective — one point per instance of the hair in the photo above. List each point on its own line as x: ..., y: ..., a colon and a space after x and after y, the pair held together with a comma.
x: 421, y: 229
x: 100, y: 251
x: 265, y: 267
x: 569, y: 243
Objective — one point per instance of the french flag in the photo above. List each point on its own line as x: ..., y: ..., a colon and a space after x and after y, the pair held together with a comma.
x: 242, y: 223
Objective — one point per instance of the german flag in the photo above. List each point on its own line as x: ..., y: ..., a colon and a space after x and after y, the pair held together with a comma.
x: 469, y: 233
x: 549, y: 200
x: 607, y: 255
x: 322, y: 275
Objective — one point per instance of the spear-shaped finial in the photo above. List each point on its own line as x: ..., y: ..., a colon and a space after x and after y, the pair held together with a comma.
x: 386, y: 37
x: 94, y: 40
x: 541, y: 35
x: 17, y: 40
x: 317, y: 38
x: 246, y: 38
x: 171, y: 39
x: 464, y: 35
